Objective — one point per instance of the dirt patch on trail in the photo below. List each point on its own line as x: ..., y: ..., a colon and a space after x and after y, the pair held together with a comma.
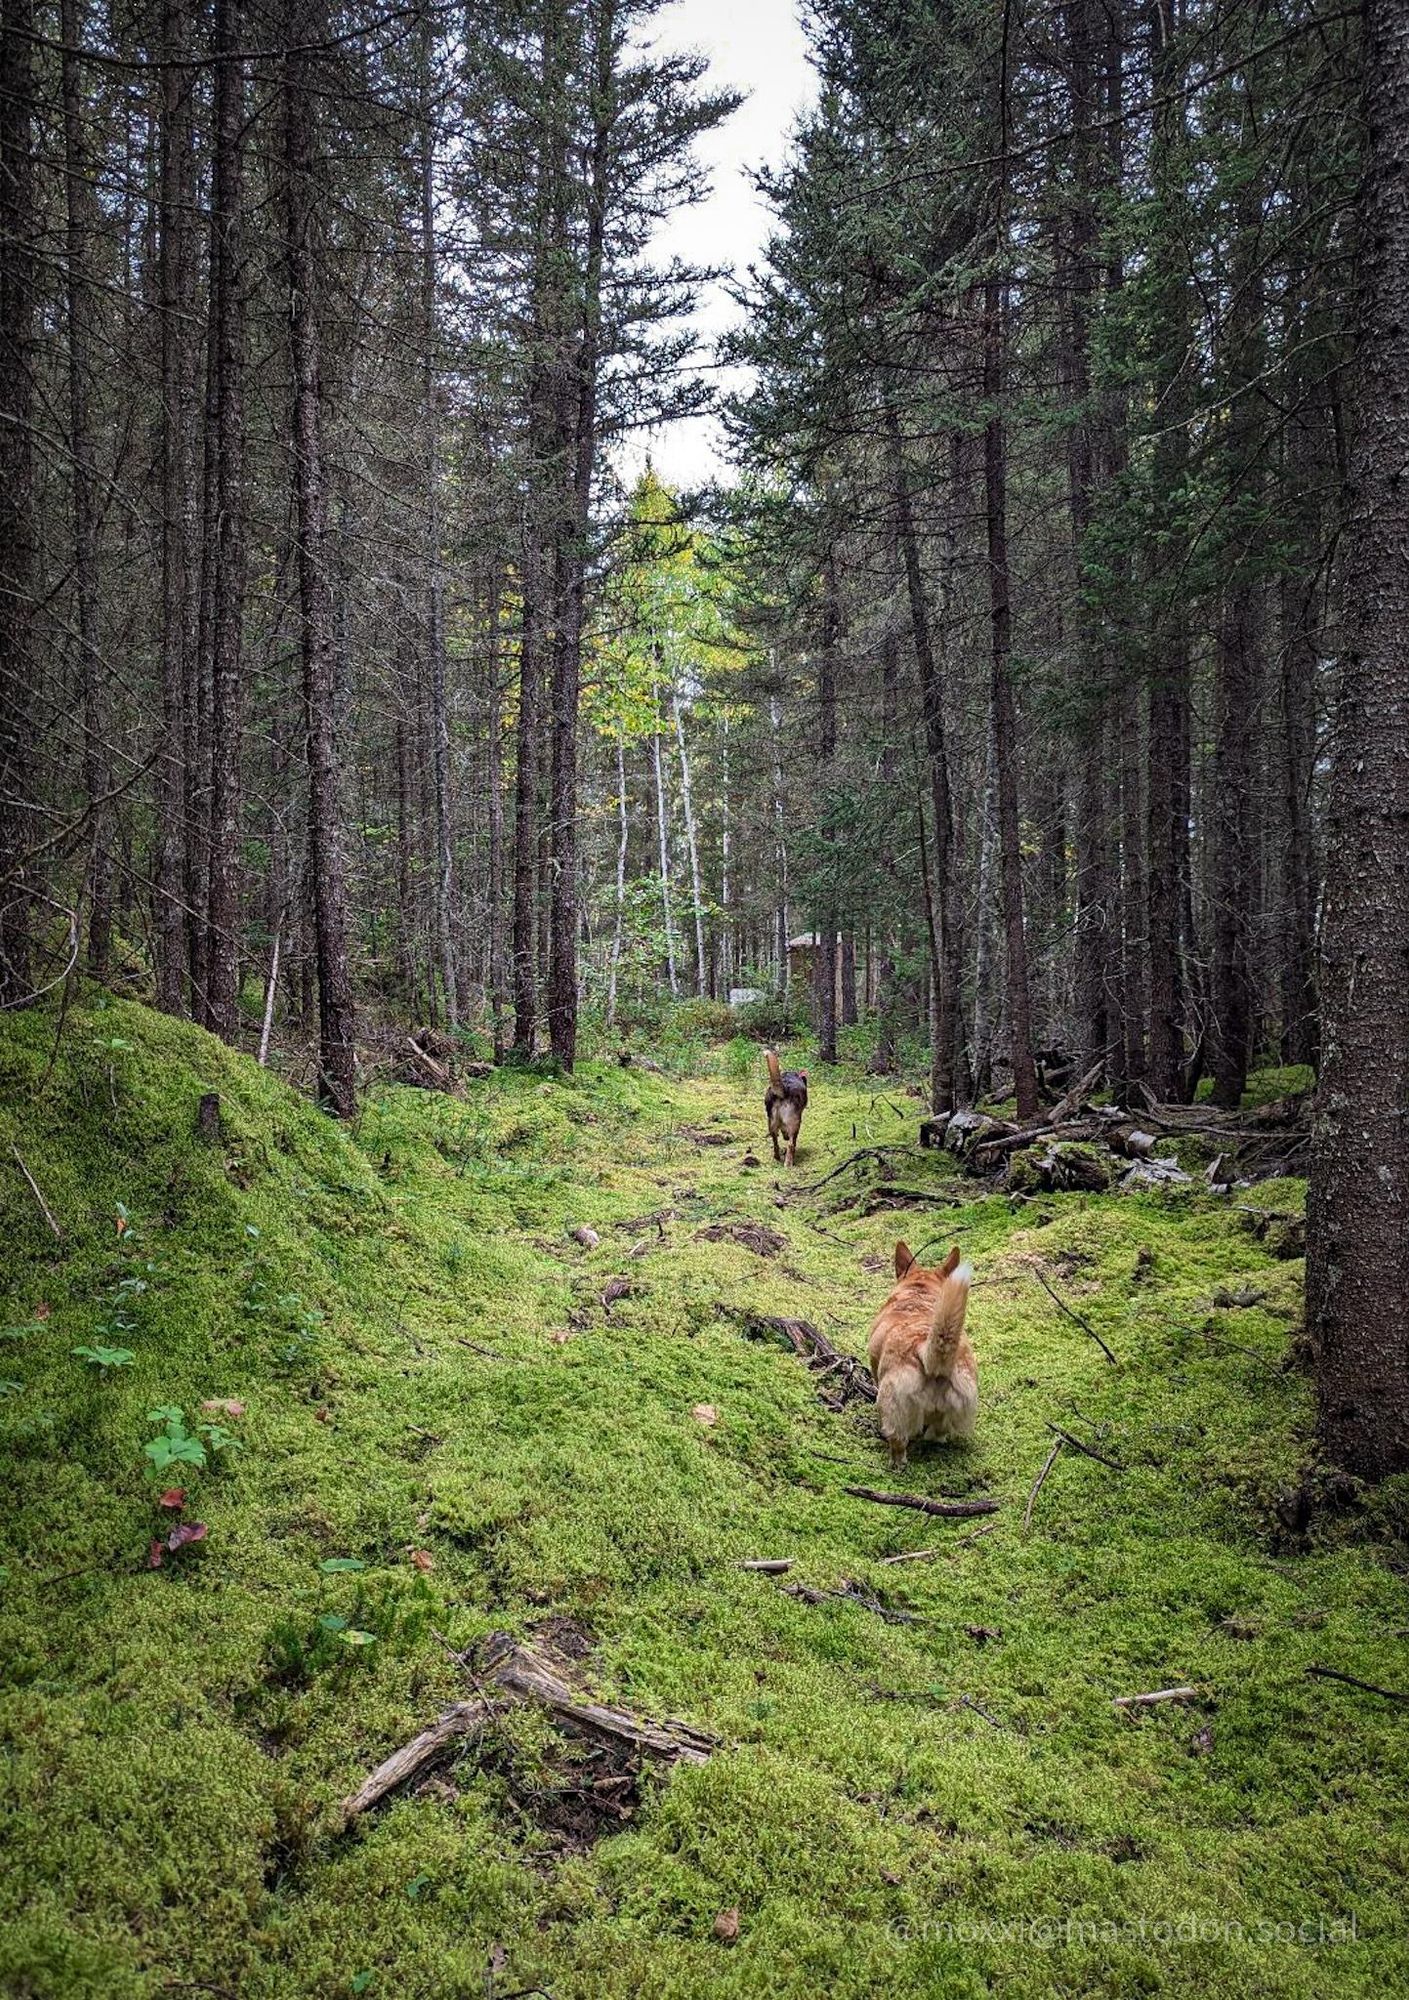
x: 751, y: 1235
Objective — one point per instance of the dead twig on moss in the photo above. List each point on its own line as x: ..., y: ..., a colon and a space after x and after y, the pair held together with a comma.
x: 1040, y: 1482
x: 1154, y: 1699
x: 865, y: 1153
x: 1086, y: 1450
x: 44, y: 1208
x: 1321, y: 1673
x: 1073, y: 1314
x: 949, y: 1510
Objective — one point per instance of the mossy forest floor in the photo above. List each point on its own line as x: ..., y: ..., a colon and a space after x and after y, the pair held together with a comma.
x: 445, y: 1433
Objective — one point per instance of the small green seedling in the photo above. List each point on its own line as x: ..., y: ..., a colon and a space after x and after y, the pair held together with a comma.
x: 178, y: 1446
x: 104, y: 1358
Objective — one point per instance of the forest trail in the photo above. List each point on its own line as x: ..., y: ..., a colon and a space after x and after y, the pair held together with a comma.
x: 922, y: 1783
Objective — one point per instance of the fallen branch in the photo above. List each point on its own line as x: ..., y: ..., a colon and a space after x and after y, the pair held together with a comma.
x: 44, y: 1207
x: 518, y: 1668
x: 865, y: 1153
x: 1065, y: 1105
x: 768, y: 1566
x: 850, y: 1593
x: 1334, y: 1674
x: 1153, y: 1700
x: 1039, y: 1482
x: 1072, y: 1314
x: 464, y: 1719
x: 949, y: 1510
x: 436, y: 1071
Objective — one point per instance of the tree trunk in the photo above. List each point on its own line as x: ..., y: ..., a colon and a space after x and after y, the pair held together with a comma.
x: 177, y: 309
x: 18, y: 539
x: 623, y: 839
x: 664, y: 839
x: 692, y: 845
x: 435, y: 578
x: 1358, y: 1211
x: 1005, y: 725
x: 81, y: 220
x: 226, y: 552
x: 494, y: 779
x: 336, y: 1023
x: 580, y: 460
x: 780, y: 839
x: 945, y: 969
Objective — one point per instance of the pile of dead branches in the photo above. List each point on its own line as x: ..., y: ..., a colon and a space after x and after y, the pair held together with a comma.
x: 1078, y: 1145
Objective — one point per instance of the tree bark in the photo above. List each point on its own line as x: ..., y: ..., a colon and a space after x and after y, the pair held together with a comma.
x: 337, y: 1075
x: 1358, y: 1210
x: 179, y: 369
x: 81, y: 218
x: 18, y: 540
x: 1005, y: 725
x: 225, y: 553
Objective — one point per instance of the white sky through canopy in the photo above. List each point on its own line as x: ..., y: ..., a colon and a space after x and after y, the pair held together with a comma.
x: 755, y: 46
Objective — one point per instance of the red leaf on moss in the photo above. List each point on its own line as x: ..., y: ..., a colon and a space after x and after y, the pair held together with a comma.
x: 174, y: 1497
x: 154, y: 1556
x: 189, y: 1531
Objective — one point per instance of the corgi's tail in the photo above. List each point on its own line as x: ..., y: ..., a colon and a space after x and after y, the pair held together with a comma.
x: 775, y: 1074
x: 948, y: 1321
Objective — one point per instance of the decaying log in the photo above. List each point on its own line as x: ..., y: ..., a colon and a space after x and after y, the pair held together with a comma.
x: 518, y: 1668
x: 950, y: 1510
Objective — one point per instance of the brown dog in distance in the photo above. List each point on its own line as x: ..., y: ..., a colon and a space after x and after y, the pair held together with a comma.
x: 785, y: 1100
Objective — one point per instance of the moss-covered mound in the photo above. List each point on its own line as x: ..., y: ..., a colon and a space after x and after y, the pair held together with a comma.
x: 425, y: 1425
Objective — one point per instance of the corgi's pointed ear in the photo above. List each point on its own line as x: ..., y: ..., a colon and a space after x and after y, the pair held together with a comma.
x: 950, y: 1264
x: 903, y: 1259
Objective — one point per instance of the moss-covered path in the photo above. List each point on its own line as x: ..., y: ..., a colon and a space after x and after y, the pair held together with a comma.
x: 445, y: 1432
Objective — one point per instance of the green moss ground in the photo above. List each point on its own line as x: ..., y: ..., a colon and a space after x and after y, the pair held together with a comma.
x: 898, y: 1809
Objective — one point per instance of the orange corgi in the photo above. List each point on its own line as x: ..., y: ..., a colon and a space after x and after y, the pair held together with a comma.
x: 925, y: 1367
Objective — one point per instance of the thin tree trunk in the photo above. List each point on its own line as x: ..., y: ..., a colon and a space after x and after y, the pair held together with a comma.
x: 780, y: 839
x: 1005, y: 726
x: 692, y: 846
x: 945, y: 969
x: 80, y: 229
x: 664, y: 838
x: 825, y: 963
x: 18, y: 539
x: 572, y: 577
x: 1358, y: 1211
x: 336, y: 1021
x: 495, y: 782
x: 435, y: 580
x: 623, y: 837
x: 179, y: 666
x: 1166, y: 800
x: 227, y: 555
